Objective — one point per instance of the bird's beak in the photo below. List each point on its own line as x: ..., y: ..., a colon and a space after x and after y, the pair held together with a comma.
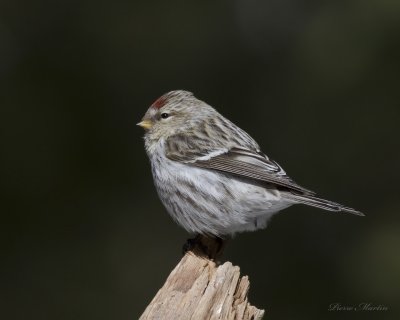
x: 145, y: 124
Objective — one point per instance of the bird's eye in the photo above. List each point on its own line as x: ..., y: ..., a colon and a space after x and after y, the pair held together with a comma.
x: 164, y: 115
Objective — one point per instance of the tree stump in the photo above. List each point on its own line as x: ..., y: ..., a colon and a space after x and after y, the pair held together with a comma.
x: 201, y: 288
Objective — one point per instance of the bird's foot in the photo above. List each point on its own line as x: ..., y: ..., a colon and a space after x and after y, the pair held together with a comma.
x: 209, y: 246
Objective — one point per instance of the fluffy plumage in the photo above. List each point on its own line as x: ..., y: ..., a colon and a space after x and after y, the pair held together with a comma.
x: 211, y: 175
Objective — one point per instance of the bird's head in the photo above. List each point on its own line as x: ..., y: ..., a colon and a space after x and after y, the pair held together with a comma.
x: 174, y: 112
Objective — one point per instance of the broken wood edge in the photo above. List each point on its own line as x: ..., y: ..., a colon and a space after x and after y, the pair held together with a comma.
x: 201, y: 288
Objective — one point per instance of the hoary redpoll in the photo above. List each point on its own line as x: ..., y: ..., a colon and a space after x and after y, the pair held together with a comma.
x: 211, y: 175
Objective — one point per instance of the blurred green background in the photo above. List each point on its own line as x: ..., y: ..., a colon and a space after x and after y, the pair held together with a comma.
x: 316, y: 83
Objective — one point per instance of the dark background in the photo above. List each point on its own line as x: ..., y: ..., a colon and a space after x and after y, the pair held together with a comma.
x: 83, y: 234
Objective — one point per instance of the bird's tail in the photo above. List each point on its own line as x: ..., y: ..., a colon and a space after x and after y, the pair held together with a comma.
x: 314, y: 201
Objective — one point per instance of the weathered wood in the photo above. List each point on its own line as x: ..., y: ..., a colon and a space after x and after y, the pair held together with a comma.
x: 200, y: 288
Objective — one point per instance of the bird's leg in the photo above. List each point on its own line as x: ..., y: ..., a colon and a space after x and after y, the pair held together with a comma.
x: 189, y: 245
x: 209, y: 246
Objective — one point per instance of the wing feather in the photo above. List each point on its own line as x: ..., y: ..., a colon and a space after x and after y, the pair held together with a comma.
x: 240, y: 161
x: 227, y: 163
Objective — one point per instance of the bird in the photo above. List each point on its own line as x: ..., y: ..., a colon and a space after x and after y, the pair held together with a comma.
x: 211, y: 175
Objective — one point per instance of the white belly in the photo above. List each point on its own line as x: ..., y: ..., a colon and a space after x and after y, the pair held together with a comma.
x: 209, y: 202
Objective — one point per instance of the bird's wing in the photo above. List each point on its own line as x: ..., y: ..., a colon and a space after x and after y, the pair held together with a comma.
x: 237, y: 160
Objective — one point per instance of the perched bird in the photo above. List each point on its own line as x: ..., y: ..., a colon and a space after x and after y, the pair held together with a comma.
x: 211, y: 176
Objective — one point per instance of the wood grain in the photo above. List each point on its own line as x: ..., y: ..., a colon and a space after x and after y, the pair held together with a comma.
x: 200, y: 288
